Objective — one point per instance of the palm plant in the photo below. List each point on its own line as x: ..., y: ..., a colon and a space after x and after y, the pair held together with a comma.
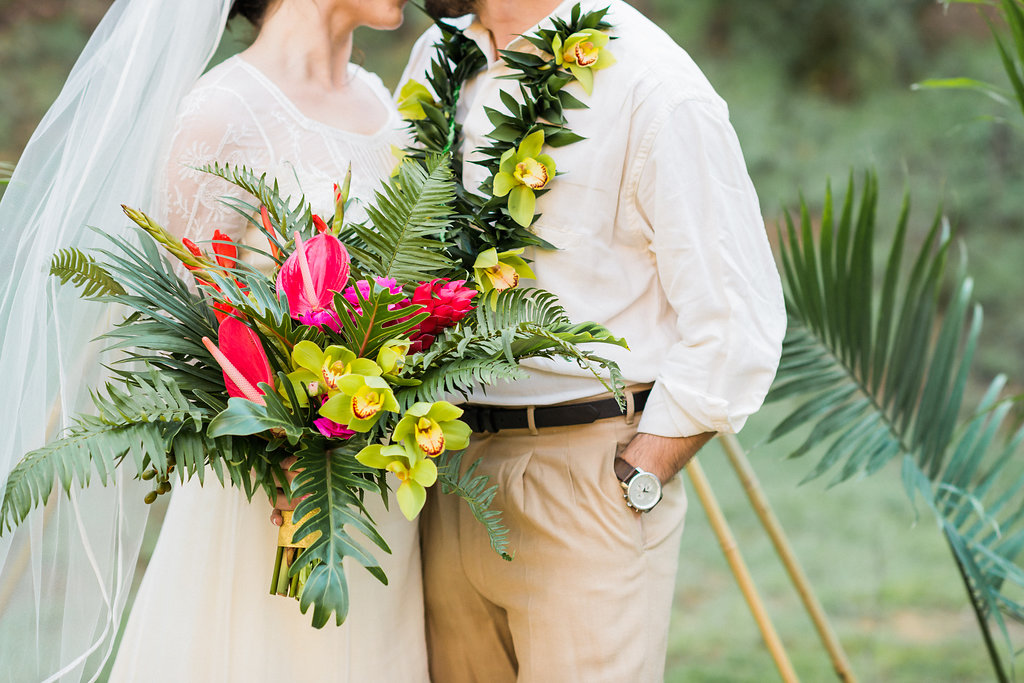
x: 882, y: 373
x: 1011, y: 54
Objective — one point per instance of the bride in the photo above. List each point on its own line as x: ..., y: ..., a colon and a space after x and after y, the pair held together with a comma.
x: 294, y: 106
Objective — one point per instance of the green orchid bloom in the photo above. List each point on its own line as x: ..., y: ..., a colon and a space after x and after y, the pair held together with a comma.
x: 583, y: 53
x: 501, y: 271
x: 391, y: 357
x: 522, y: 171
x: 411, y: 98
x: 319, y: 371
x: 415, y: 473
x: 360, y: 402
x: 433, y: 428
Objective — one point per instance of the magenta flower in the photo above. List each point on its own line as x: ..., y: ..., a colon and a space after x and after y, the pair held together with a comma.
x: 365, y: 290
x: 312, y: 274
x: 321, y: 318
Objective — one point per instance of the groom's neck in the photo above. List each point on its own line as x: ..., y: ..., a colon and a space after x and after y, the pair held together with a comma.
x: 507, y: 19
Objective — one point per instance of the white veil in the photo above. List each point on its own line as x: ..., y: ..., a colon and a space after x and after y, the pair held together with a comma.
x: 66, y: 573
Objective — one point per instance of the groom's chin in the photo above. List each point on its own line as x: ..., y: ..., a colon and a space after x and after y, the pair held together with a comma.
x: 449, y: 9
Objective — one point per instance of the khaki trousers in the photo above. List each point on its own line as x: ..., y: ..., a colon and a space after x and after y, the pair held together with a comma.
x: 589, y: 593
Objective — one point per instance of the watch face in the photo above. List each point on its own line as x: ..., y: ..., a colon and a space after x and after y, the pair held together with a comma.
x: 644, y: 491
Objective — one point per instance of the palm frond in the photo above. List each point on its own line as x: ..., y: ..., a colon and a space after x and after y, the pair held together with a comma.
x: 881, y: 373
x: 82, y: 270
x: 286, y: 217
x: 407, y: 217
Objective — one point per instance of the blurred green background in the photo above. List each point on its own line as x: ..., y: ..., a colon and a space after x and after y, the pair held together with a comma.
x: 817, y: 89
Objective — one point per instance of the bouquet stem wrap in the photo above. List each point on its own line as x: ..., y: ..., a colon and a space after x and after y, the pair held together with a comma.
x: 288, y: 550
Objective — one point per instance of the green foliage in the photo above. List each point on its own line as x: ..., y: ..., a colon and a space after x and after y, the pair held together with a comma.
x: 882, y: 375
x: 81, y: 270
x: 1011, y: 56
x: 332, y: 479
x: 138, y: 424
x: 401, y: 239
x: 478, y: 494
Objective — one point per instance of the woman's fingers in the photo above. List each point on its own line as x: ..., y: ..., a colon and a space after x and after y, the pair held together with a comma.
x: 282, y: 502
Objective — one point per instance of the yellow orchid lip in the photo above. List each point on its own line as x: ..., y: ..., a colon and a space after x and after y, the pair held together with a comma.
x: 502, y: 276
x: 531, y: 173
x: 332, y: 373
x: 399, y: 470
x: 366, y: 404
x: 584, y: 54
x: 429, y: 436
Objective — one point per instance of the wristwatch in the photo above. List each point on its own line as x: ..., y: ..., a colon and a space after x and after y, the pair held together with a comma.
x: 642, y: 490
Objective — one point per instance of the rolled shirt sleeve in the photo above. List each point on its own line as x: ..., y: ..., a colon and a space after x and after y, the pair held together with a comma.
x: 715, y: 265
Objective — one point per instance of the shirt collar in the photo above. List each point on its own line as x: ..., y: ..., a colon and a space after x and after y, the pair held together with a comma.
x: 482, y: 37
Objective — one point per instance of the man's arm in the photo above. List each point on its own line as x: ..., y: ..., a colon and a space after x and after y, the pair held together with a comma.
x: 663, y: 456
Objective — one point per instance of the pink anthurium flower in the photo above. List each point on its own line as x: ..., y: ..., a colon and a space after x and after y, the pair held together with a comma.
x: 312, y: 274
x: 241, y: 356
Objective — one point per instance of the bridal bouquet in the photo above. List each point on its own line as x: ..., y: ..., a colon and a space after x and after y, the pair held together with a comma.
x: 335, y: 358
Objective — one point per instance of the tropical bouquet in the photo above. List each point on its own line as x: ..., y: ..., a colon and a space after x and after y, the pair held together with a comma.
x: 335, y: 358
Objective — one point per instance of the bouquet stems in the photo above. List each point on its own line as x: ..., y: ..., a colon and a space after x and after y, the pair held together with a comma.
x: 289, y: 549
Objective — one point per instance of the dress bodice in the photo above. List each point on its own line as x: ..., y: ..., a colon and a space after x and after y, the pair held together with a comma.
x: 236, y: 115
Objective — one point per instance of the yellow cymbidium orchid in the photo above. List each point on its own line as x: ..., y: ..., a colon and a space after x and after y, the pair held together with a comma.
x: 500, y: 271
x: 433, y: 428
x: 360, y: 402
x: 415, y: 473
x: 523, y: 170
x: 411, y: 98
x: 391, y: 357
x: 320, y: 370
x: 583, y: 53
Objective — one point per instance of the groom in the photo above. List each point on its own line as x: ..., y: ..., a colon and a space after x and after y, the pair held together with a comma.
x: 659, y: 238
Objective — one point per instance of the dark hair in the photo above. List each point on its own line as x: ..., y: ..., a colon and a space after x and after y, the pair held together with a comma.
x: 253, y: 10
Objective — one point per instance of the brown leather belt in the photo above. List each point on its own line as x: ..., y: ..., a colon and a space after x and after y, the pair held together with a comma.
x: 495, y: 418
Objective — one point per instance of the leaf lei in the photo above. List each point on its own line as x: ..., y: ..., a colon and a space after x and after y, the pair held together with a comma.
x: 517, y: 172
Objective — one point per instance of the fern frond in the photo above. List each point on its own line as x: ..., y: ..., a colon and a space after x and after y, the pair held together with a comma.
x: 478, y: 493
x: 407, y: 219
x: 459, y: 377
x: 81, y: 270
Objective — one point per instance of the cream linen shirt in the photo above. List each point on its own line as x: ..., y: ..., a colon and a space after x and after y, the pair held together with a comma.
x: 658, y: 232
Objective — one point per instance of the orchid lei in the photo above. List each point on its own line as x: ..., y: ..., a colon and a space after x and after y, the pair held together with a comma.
x: 498, y: 220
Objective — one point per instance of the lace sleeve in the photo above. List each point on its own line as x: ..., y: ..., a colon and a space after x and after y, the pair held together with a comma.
x: 214, y: 124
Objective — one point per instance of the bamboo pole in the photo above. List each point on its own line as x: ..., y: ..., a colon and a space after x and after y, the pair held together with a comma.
x: 762, y: 507
x: 739, y: 569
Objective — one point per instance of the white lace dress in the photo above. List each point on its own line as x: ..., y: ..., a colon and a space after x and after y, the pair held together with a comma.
x: 203, y: 612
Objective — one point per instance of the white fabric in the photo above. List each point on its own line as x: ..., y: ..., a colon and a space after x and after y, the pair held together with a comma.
x: 658, y: 229
x: 65, y: 575
x: 205, y: 592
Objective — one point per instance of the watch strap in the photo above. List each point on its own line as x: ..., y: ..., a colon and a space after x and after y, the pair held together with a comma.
x: 623, y: 470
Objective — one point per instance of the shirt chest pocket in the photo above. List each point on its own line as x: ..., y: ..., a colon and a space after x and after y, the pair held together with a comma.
x: 571, y: 212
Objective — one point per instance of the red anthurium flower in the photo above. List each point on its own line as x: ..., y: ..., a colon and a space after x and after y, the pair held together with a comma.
x: 242, y: 358
x: 446, y: 303
x: 312, y: 274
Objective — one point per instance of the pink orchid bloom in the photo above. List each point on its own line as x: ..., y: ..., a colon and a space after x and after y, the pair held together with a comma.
x: 312, y: 274
x: 242, y: 358
x: 389, y: 283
